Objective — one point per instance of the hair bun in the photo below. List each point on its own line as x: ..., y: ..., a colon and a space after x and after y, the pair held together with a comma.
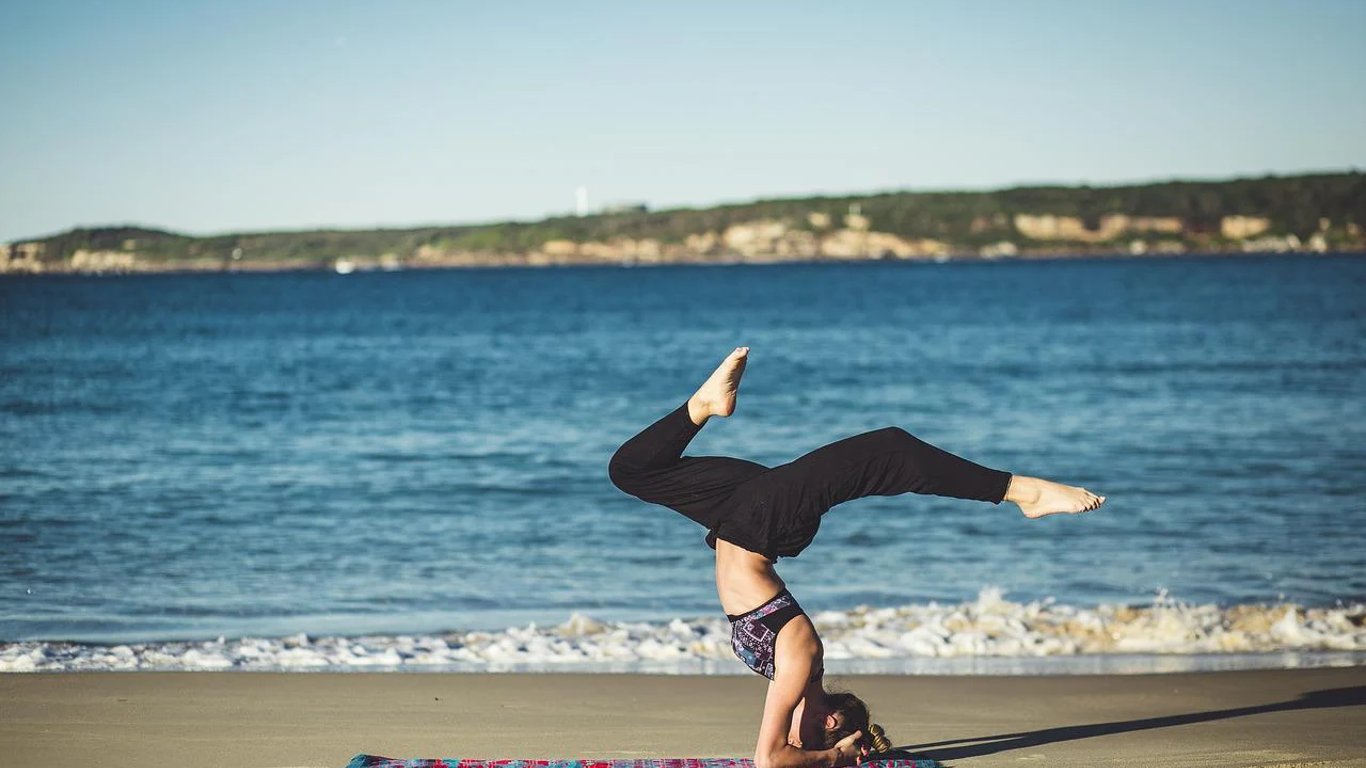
x: 879, y: 738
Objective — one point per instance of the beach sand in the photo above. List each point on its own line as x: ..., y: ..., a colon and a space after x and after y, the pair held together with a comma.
x: 1255, y: 718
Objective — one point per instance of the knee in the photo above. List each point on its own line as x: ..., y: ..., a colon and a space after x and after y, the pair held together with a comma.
x: 621, y: 472
x: 896, y: 436
x: 893, y: 433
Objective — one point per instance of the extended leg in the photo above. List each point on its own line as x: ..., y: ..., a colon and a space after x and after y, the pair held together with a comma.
x: 892, y: 461
x: 886, y: 462
x: 778, y: 513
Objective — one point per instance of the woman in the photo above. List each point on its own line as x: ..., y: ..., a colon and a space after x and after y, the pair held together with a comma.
x: 756, y: 514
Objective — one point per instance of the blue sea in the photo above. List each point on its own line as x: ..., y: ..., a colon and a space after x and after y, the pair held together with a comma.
x: 420, y: 457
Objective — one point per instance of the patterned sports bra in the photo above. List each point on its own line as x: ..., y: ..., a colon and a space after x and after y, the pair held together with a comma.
x: 754, y: 634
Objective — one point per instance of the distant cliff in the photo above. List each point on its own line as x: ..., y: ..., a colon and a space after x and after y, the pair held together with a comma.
x: 1319, y: 212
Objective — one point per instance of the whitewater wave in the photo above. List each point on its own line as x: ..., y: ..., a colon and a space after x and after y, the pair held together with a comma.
x: 861, y: 639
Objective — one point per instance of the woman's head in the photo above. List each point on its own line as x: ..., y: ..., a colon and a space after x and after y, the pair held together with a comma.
x: 845, y: 714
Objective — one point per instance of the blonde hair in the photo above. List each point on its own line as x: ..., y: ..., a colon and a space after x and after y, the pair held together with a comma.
x: 877, y: 738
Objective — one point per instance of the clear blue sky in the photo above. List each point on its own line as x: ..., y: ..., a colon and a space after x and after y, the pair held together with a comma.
x: 246, y: 115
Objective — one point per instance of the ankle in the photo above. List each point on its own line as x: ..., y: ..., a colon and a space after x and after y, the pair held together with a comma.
x: 1022, y: 489
x: 698, y: 411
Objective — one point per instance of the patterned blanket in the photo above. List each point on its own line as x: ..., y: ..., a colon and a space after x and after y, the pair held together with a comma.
x: 374, y: 761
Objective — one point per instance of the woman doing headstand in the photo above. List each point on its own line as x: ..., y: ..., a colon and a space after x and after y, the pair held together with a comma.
x: 756, y: 514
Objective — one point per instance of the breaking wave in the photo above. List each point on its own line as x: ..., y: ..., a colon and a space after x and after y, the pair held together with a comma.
x: 990, y: 634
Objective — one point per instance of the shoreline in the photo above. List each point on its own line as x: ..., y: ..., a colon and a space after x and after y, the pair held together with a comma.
x: 518, y: 261
x: 725, y: 664
x: 1076, y: 665
x: 153, y: 719
x: 990, y: 635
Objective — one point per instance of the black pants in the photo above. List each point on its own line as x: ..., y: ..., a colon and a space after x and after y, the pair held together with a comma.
x: 777, y: 511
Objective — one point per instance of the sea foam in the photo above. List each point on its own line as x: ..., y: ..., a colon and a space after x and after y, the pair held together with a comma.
x: 909, y: 638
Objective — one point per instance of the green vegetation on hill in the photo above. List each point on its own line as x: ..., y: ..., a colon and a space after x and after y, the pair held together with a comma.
x: 967, y: 220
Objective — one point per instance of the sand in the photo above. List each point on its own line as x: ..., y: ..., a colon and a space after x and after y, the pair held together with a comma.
x: 1256, y: 718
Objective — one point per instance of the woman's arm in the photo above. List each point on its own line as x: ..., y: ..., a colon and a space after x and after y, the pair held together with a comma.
x: 794, y: 664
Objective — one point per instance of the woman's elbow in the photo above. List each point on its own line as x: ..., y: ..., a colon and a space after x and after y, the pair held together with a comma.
x: 768, y: 757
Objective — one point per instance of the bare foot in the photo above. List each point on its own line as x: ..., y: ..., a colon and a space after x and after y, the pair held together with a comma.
x: 1039, y: 498
x: 716, y: 396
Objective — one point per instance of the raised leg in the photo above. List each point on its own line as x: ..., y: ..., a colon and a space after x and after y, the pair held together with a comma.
x: 778, y: 513
x: 885, y: 462
x: 892, y: 461
x: 651, y: 466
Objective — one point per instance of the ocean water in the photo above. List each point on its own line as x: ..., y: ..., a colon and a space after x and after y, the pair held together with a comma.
x: 271, y: 467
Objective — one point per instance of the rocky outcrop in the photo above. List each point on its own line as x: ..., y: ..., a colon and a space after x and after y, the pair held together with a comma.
x: 1243, y: 227
x: 762, y: 241
x: 23, y: 258
x: 103, y: 261
x: 1072, y: 229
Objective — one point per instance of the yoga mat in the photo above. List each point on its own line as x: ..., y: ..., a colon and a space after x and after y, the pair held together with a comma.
x: 374, y: 761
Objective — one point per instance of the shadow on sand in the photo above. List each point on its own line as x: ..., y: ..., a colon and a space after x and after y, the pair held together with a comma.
x: 957, y: 749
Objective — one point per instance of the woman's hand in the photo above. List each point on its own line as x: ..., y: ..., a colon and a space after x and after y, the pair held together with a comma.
x: 848, y: 750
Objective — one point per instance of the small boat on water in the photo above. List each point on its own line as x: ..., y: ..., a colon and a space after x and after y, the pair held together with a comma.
x: 344, y: 266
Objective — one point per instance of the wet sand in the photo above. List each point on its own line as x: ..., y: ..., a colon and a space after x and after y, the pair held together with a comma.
x: 1255, y: 718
